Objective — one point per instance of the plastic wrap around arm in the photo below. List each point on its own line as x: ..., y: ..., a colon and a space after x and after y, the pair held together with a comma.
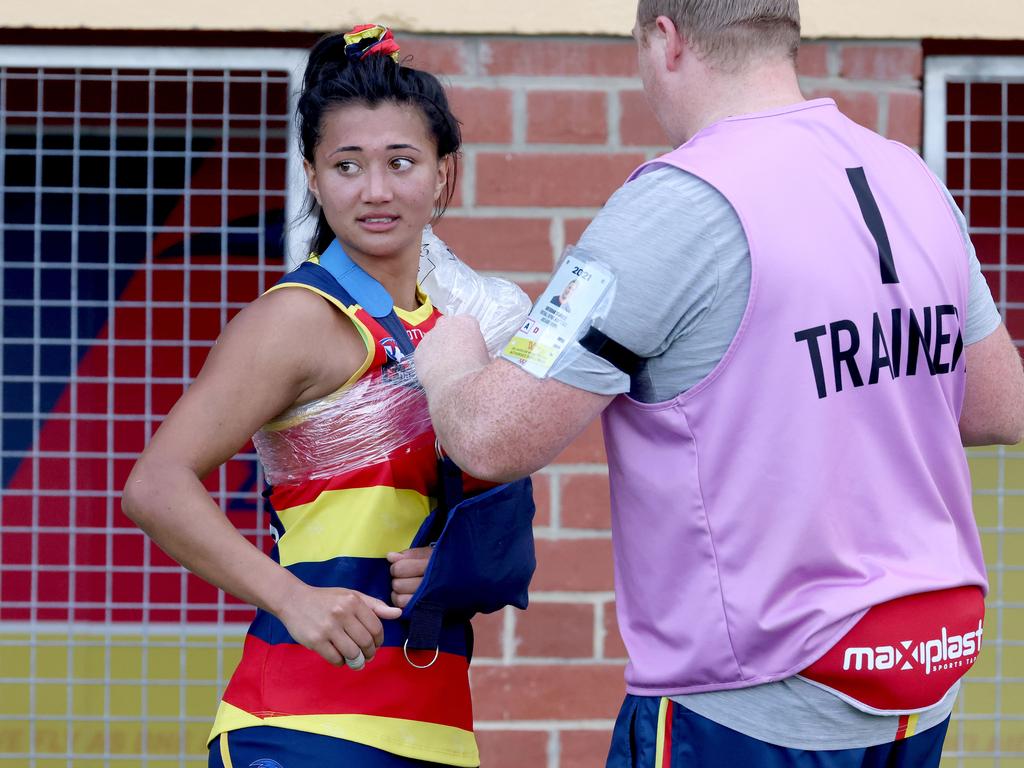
x: 357, y: 427
x: 367, y: 422
x: 500, y: 306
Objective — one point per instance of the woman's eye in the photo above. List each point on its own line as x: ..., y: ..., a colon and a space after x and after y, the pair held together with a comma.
x: 401, y: 164
x: 347, y: 167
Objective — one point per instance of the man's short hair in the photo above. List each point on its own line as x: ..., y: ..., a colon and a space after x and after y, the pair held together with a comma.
x: 730, y: 33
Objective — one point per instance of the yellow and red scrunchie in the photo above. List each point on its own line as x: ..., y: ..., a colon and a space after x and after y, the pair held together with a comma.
x: 369, y: 39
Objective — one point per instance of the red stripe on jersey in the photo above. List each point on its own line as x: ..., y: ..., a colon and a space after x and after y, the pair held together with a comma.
x: 279, y: 680
x: 666, y: 752
x: 901, y: 727
x: 412, y: 467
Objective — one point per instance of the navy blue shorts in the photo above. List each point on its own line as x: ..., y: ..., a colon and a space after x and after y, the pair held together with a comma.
x: 271, y: 747
x: 653, y: 732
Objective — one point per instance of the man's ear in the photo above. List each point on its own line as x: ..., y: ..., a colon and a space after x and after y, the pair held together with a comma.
x: 675, y: 45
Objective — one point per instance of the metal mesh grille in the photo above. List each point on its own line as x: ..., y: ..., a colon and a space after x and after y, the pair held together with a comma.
x: 141, y: 209
x: 974, y: 140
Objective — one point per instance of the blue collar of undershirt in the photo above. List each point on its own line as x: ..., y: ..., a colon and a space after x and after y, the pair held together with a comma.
x: 364, y: 289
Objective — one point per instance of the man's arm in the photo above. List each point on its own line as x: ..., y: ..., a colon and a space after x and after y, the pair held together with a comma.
x: 496, y: 421
x: 993, y: 411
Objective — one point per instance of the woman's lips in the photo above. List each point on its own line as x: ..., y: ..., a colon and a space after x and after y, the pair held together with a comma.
x: 378, y: 223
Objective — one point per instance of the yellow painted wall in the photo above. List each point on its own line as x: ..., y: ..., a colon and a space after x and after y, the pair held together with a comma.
x: 995, y: 19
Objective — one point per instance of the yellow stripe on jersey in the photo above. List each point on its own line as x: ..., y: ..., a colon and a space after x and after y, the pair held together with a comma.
x: 659, y: 749
x: 351, y: 522
x: 225, y: 753
x: 912, y: 723
x: 289, y: 418
x: 421, y: 313
x: 408, y: 738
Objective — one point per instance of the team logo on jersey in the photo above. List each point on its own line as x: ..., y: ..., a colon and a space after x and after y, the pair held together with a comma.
x: 265, y: 762
x: 392, y: 350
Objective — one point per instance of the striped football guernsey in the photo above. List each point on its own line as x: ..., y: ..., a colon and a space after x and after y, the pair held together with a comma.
x: 335, y: 531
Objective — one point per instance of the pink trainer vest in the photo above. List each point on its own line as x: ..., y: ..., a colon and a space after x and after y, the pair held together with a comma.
x: 817, y: 470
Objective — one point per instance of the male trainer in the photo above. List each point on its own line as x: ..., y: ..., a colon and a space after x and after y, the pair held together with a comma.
x: 786, y: 331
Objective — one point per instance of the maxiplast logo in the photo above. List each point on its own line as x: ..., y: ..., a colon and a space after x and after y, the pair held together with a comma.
x: 944, y: 652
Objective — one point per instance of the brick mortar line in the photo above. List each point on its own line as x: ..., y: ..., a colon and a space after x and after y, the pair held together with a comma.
x: 602, y: 39
x: 469, y: 180
x: 544, y: 725
x: 508, y: 637
x: 834, y: 58
x: 543, y: 148
x: 614, y: 117
x: 520, y: 117
x: 875, y: 42
x: 547, y: 661
x: 492, y: 662
x: 555, y: 502
x: 556, y: 238
x: 872, y: 86
x: 525, y: 83
x: 521, y: 212
x: 516, y: 277
x: 475, y: 55
x: 614, y: 88
x: 554, y: 749
x: 594, y: 468
x: 589, y: 598
x: 556, y: 533
x: 599, y: 630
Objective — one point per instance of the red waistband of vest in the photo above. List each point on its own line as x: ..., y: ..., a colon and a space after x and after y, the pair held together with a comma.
x: 906, y: 654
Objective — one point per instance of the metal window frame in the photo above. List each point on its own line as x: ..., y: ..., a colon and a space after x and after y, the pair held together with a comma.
x: 290, y: 60
x: 105, y: 635
x: 937, y: 72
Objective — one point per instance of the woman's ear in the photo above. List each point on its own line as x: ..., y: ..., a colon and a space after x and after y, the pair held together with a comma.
x: 311, y: 180
x: 443, y: 166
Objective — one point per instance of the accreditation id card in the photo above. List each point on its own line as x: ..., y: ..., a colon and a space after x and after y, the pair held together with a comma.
x: 561, y: 315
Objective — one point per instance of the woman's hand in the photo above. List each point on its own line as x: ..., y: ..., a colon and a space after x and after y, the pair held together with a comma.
x: 342, y: 625
x: 407, y: 569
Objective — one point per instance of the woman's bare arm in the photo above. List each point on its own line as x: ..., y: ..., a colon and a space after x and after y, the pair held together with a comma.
x: 269, y: 357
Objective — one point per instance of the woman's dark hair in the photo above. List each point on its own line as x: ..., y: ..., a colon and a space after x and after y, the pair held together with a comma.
x: 333, y: 80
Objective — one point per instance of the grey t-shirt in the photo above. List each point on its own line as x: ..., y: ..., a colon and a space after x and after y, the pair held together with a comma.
x: 682, y: 267
x: 680, y: 295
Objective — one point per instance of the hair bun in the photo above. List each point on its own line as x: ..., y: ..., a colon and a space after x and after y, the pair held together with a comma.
x: 370, y: 40
x: 334, y: 53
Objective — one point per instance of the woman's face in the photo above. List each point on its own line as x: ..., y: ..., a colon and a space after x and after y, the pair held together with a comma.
x: 376, y: 174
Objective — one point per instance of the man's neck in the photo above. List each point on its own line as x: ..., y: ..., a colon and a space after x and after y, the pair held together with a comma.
x: 726, y: 95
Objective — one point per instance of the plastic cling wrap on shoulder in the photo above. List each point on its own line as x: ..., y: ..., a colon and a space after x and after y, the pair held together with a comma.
x: 355, y: 428
x: 500, y: 306
x: 384, y: 414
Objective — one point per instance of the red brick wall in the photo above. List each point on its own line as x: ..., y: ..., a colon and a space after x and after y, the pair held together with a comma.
x: 552, y: 127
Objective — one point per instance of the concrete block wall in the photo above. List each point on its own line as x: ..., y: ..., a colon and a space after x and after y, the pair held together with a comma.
x: 552, y: 127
